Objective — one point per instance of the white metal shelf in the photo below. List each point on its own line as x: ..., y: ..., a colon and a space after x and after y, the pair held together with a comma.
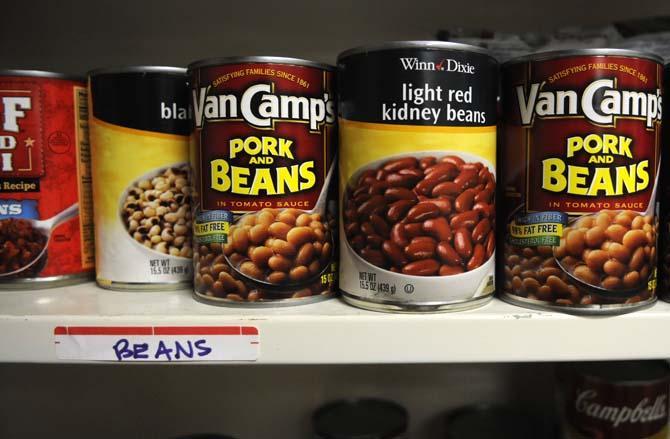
x: 331, y: 332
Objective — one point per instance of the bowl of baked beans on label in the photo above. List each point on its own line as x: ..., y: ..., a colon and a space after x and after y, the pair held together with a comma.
x: 611, y: 252
x: 156, y: 211
x: 426, y: 217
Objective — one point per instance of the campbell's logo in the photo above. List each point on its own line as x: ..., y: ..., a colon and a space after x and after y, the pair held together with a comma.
x: 445, y: 65
x: 600, y: 103
x: 260, y: 107
x: 645, y: 411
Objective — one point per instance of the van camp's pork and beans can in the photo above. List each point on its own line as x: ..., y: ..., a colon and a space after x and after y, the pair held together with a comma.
x: 46, y: 229
x: 417, y: 176
x: 615, y: 400
x: 582, y: 147
x: 263, y: 153
x: 139, y: 139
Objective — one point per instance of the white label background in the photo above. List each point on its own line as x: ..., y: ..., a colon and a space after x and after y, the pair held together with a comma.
x: 96, y: 343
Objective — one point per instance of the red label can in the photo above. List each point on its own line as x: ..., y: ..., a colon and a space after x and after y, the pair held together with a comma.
x: 582, y: 143
x: 263, y: 157
x: 46, y: 228
x: 615, y: 400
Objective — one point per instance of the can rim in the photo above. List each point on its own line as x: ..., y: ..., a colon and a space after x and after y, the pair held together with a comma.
x: 416, y: 44
x: 387, y: 405
x: 137, y: 69
x: 206, y: 62
x: 585, y: 369
x: 41, y: 74
x: 553, y: 54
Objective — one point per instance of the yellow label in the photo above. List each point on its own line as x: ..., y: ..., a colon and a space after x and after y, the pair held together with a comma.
x: 363, y: 143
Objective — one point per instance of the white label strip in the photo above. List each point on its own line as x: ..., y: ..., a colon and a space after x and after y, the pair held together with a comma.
x: 157, y: 343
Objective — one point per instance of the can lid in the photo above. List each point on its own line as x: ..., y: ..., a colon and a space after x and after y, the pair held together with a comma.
x: 204, y: 436
x: 41, y: 74
x: 623, y: 372
x: 258, y: 59
x: 487, y: 421
x: 138, y: 69
x: 366, y: 418
x: 553, y: 54
x: 430, y: 45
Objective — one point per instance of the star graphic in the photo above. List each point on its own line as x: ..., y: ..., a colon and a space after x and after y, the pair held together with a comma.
x: 30, y: 142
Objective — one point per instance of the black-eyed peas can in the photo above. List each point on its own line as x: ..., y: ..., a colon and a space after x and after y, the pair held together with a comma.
x: 263, y: 156
x: 139, y: 126
x: 582, y: 142
x: 417, y: 176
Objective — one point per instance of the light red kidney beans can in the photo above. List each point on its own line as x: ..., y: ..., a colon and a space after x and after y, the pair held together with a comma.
x: 417, y: 176
x: 46, y: 228
x: 614, y: 399
x: 263, y: 158
x: 582, y: 148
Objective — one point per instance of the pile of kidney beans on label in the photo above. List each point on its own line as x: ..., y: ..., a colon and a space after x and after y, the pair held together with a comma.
x: 424, y: 216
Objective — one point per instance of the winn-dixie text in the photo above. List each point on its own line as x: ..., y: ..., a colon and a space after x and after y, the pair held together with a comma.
x: 644, y: 411
x: 260, y: 107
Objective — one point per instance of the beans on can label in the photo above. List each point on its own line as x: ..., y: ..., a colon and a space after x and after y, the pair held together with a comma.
x: 582, y: 152
x: 139, y: 138
x: 417, y: 176
x: 45, y: 195
x: 615, y: 400
x: 263, y: 152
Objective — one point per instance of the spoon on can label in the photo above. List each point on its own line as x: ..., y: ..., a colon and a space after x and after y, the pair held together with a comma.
x: 292, y: 248
x: 44, y: 228
x: 611, y: 252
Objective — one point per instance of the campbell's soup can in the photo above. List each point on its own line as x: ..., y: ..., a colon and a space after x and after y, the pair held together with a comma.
x: 417, y: 176
x: 664, y: 200
x: 46, y: 227
x: 141, y: 186
x: 582, y: 148
x: 263, y: 156
x: 614, y: 400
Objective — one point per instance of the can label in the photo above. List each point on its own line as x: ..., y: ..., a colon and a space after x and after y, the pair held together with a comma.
x: 418, y: 176
x: 45, y: 194
x: 582, y: 141
x: 263, y: 156
x: 595, y: 408
x: 139, y: 136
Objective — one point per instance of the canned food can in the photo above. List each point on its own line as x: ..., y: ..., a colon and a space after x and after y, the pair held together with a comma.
x: 615, y: 400
x: 496, y: 421
x: 263, y: 156
x: 417, y: 176
x: 46, y: 227
x: 664, y: 201
x: 362, y: 418
x: 582, y: 142
x: 139, y: 139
